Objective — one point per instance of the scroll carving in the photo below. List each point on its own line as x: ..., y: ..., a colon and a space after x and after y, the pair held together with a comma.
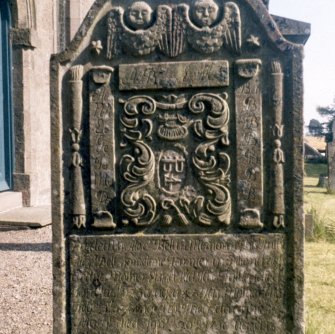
x: 139, y: 166
x: 76, y: 104
x: 140, y: 207
x: 171, y: 165
x: 211, y: 167
x: 278, y: 154
x: 133, y: 127
x: 249, y: 142
x: 135, y: 31
x: 102, y: 147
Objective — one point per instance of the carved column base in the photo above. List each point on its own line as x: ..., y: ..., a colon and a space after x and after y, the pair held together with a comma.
x: 250, y: 219
x: 103, y: 220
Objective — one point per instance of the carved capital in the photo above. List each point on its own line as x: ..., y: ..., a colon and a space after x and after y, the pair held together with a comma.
x: 248, y: 68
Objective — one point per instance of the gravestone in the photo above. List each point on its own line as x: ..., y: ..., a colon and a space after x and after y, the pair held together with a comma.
x: 331, y: 160
x: 177, y: 140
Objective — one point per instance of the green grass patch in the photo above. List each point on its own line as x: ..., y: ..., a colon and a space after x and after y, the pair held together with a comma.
x: 321, y: 205
x: 316, y: 169
x: 319, y: 255
x: 320, y: 287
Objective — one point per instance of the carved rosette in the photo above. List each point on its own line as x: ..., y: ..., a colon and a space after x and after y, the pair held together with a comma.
x: 76, y: 104
x: 278, y: 154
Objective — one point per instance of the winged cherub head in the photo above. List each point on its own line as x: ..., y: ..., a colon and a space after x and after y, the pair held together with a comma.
x: 139, y: 15
x: 205, y: 12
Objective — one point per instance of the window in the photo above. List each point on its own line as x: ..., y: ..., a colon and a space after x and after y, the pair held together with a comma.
x: 6, y: 132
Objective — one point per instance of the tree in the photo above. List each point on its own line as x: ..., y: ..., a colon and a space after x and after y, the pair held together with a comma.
x: 315, y: 128
x: 329, y: 113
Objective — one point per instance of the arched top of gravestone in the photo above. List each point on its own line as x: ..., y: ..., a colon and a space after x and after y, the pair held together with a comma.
x: 148, y: 30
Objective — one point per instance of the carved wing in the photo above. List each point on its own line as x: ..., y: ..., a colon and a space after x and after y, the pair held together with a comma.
x: 171, y: 27
x: 114, y: 32
x: 231, y: 27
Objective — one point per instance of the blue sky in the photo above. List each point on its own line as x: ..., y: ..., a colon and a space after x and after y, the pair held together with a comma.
x: 319, y: 63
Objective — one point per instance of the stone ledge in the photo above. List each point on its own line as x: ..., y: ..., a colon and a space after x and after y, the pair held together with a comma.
x: 10, y: 200
x: 38, y: 216
x: 24, y: 37
x: 293, y: 30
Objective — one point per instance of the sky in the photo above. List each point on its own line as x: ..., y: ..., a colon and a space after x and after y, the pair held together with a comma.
x: 319, y: 62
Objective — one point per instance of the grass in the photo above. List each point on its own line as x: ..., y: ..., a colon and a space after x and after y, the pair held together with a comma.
x: 314, y: 170
x: 320, y: 204
x: 319, y: 255
x: 320, y: 288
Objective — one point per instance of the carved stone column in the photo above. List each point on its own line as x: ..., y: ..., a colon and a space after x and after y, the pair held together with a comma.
x: 278, y: 154
x: 76, y: 105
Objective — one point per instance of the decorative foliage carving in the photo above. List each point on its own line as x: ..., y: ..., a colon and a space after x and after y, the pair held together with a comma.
x: 139, y: 169
x: 216, y: 124
x: 171, y: 166
x: 135, y: 32
x: 211, y: 167
x: 136, y: 128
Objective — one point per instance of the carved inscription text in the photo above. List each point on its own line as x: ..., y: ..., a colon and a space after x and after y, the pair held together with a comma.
x: 180, y: 284
x: 174, y: 75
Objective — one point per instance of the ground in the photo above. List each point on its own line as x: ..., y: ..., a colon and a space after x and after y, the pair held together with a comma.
x: 320, y: 287
x: 25, y: 281
x: 319, y: 255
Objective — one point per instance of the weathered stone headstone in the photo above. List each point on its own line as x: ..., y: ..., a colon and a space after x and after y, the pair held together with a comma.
x: 331, y: 160
x: 177, y: 138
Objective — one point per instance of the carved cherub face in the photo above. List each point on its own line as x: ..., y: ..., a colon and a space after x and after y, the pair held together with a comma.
x: 205, y: 12
x: 139, y: 15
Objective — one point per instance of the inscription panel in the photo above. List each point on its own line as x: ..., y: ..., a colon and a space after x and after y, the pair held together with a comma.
x: 174, y: 75
x: 178, y: 284
x: 249, y: 142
